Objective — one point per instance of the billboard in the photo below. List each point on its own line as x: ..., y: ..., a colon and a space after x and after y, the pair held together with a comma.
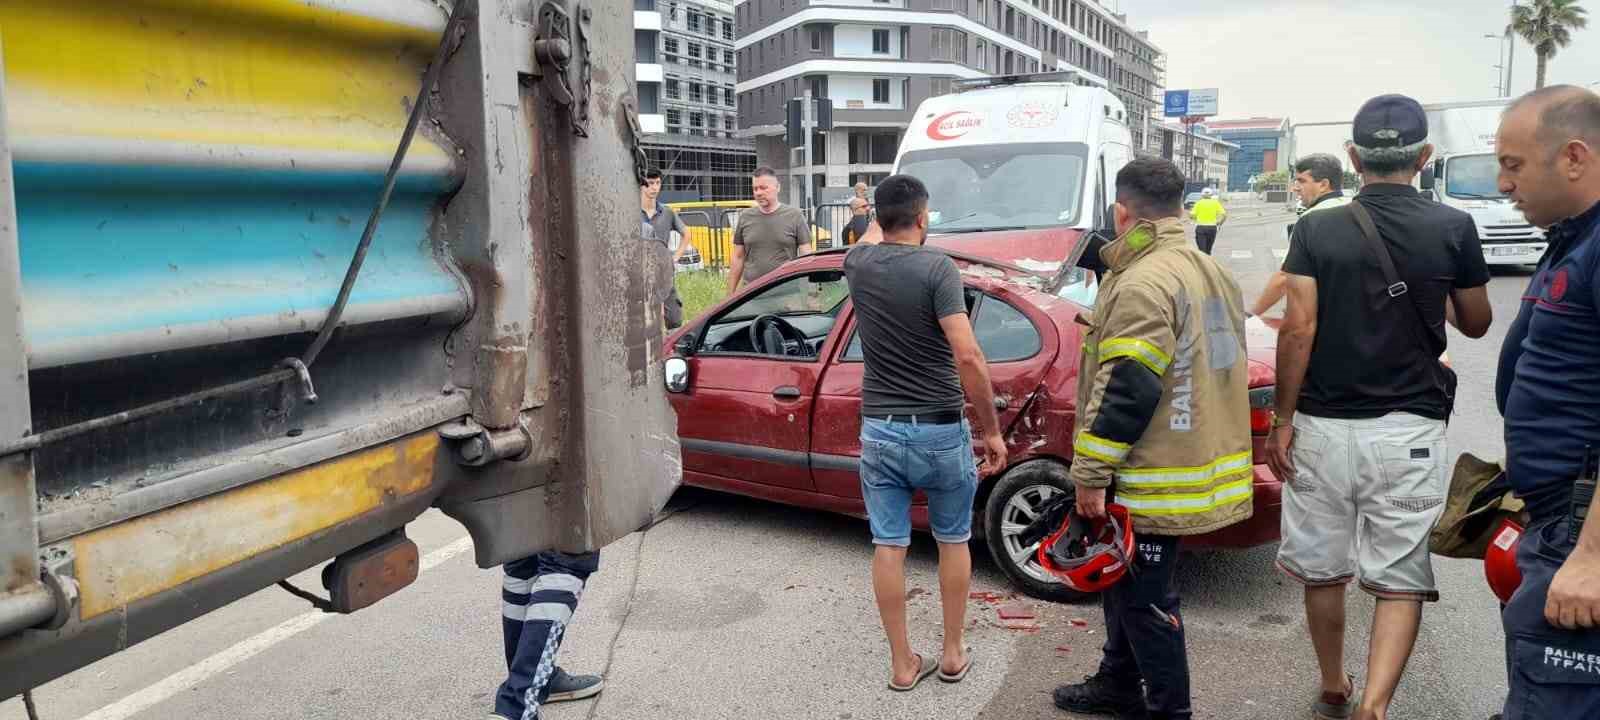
x: 1190, y: 103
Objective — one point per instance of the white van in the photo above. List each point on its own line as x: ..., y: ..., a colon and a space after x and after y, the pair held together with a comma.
x: 1026, y: 160
x: 1464, y: 173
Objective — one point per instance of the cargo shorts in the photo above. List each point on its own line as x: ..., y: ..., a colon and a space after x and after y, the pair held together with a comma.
x: 1363, y: 499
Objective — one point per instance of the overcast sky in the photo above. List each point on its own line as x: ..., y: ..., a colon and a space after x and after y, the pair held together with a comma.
x: 1312, y: 60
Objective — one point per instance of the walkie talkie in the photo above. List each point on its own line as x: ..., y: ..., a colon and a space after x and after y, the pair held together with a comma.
x: 1583, y: 492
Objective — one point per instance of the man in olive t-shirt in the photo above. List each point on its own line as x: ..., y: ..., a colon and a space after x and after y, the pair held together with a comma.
x: 768, y: 235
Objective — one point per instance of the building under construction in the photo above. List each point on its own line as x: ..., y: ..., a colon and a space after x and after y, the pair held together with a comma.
x: 687, y: 106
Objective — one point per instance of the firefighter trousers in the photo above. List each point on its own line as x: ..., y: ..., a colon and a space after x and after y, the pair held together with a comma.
x: 538, y: 597
x: 1144, y: 632
x: 1553, y: 673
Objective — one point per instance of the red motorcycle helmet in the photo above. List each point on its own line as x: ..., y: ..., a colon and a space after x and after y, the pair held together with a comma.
x: 1090, y: 555
x: 1500, y: 560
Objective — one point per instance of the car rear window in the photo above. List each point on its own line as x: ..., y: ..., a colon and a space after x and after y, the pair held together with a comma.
x: 1004, y: 333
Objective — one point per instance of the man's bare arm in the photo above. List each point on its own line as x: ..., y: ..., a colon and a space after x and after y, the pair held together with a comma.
x: 1295, y: 337
x: 1277, y: 287
x: 683, y: 238
x: 974, y: 370
x: 1469, y: 311
x: 1573, y: 600
x: 736, y: 269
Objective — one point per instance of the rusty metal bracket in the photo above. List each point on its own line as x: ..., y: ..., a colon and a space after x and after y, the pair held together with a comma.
x: 308, y: 392
x: 557, y: 40
x: 476, y: 446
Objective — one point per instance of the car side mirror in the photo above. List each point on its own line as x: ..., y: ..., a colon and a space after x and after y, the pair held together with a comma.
x: 686, y: 344
x: 1429, y: 176
x: 676, y: 374
x: 1429, y: 194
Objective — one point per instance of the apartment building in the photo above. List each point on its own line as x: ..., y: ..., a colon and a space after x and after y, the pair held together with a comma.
x: 685, y: 71
x: 1204, y: 159
x: 876, y: 60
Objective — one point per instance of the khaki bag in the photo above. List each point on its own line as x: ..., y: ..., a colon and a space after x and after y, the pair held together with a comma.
x: 1479, y: 497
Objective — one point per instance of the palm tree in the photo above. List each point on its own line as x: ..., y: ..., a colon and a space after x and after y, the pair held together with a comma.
x: 1547, y: 25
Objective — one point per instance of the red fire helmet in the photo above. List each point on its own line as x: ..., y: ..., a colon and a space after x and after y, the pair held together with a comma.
x: 1090, y: 555
x: 1500, y: 560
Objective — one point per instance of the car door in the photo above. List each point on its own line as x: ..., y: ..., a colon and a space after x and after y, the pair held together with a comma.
x: 746, y: 416
x: 1017, y: 338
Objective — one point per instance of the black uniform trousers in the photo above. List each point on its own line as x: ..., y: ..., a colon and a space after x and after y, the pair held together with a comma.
x: 1144, y: 631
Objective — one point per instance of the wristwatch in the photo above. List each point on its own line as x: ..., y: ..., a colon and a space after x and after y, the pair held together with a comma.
x: 1279, y: 421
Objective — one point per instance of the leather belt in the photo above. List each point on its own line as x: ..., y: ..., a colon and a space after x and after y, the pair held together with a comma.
x: 949, y: 417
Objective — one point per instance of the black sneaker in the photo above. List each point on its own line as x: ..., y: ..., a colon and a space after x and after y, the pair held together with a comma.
x: 564, y: 687
x: 1098, y: 695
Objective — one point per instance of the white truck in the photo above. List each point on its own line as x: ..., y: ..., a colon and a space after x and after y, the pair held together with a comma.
x: 1463, y: 176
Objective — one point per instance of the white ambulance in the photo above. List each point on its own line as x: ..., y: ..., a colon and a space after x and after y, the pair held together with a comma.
x: 1023, y: 164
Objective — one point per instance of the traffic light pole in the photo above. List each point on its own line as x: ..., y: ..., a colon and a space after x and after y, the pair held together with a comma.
x: 808, y: 121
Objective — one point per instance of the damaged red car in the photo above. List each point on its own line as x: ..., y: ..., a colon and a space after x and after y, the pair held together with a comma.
x: 767, y: 387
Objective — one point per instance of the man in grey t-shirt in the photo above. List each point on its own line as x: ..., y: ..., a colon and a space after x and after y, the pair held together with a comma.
x: 661, y: 222
x: 921, y: 359
x: 768, y: 235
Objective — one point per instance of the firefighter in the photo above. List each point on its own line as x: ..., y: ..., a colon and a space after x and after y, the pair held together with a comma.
x: 1549, y: 152
x: 1165, y: 422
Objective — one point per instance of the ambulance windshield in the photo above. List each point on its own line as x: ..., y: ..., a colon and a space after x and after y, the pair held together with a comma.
x: 975, y: 188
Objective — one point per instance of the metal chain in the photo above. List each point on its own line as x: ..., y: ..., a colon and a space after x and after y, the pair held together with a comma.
x: 641, y: 161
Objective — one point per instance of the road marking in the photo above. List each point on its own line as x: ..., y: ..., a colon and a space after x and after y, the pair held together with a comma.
x: 216, y: 664
x: 1243, y: 255
x: 1280, y: 253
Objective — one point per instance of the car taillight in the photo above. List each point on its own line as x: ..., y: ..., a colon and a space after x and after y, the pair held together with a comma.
x: 1262, y: 402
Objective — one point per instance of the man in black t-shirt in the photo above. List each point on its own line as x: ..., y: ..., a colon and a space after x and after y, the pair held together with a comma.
x: 1358, y: 439
x: 859, y: 221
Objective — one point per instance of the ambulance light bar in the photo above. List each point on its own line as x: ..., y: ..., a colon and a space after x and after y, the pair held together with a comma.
x: 1066, y: 76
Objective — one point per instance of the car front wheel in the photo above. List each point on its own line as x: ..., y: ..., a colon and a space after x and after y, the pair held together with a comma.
x: 1015, y: 501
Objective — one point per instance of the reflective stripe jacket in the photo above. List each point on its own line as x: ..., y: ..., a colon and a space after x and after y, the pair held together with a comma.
x: 1174, y: 310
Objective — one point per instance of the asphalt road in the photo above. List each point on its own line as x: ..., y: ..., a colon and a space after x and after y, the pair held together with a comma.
x: 734, y: 608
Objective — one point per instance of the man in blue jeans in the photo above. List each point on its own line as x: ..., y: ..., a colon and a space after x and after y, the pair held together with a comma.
x: 919, y: 353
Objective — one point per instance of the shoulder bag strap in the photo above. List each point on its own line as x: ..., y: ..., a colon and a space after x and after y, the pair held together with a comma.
x: 1397, y: 287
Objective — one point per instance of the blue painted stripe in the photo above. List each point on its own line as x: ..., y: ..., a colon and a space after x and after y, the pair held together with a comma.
x: 143, y: 249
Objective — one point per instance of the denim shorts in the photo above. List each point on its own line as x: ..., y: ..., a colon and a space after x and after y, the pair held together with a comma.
x: 898, y: 459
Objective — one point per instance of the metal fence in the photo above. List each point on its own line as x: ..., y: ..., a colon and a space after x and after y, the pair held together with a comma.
x: 711, y: 234
x: 830, y: 220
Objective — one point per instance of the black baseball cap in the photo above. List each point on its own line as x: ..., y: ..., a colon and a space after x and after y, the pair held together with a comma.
x: 1390, y: 121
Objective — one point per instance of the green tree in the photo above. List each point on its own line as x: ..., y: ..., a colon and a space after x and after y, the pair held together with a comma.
x: 1547, y: 25
x: 1279, y: 178
x: 1352, y: 181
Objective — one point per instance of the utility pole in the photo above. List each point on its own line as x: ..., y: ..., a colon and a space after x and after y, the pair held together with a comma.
x: 1511, y: 50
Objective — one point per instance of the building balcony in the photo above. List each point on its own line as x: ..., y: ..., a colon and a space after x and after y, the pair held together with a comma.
x: 646, y: 20
x: 647, y: 73
x: 654, y: 123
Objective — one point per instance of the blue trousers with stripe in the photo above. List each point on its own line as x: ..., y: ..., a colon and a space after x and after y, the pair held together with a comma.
x: 538, y: 597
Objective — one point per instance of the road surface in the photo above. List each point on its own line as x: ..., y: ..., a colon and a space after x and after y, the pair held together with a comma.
x: 733, y: 608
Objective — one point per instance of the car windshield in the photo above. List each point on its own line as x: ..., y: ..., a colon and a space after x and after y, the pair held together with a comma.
x: 1010, y: 186
x: 1472, y: 177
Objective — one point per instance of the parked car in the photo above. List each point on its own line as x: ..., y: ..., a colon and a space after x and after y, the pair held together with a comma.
x: 767, y: 387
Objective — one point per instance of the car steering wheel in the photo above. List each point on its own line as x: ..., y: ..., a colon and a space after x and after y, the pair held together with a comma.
x: 771, y: 335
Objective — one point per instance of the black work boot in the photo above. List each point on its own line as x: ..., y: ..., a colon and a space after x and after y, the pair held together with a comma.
x: 1099, y: 695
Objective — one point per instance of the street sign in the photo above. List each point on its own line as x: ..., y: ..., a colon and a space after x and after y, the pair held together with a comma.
x: 1190, y: 103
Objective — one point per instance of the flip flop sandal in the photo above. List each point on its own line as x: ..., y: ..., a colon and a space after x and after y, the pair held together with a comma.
x: 929, y: 667
x: 958, y: 675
